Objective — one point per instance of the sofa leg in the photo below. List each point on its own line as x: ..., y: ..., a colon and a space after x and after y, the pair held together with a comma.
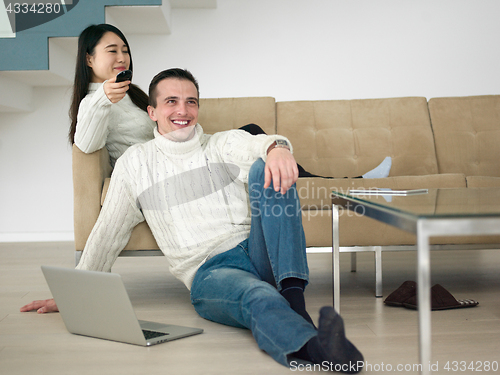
x: 378, y: 271
x: 354, y: 261
x: 78, y: 255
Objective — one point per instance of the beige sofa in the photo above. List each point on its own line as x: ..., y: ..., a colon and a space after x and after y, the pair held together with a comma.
x: 440, y: 143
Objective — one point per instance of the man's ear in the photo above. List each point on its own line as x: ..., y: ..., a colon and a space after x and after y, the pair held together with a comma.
x: 151, y: 113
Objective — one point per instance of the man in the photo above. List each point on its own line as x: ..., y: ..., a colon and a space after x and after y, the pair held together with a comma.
x: 228, y: 223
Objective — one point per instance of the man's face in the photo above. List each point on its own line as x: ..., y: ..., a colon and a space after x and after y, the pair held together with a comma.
x: 176, y: 109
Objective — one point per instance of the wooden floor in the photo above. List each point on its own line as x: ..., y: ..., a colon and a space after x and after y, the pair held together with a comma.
x: 387, y: 336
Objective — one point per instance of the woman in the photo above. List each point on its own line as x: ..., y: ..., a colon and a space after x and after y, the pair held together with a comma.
x: 104, y: 112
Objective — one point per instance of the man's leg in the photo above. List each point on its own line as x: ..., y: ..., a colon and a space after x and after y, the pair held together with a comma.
x: 277, y: 249
x: 277, y: 244
x: 228, y: 290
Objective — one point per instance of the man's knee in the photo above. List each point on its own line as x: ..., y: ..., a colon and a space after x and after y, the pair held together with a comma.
x: 257, y: 172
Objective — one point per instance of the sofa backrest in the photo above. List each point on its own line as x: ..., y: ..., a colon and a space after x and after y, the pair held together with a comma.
x: 346, y: 138
x: 217, y: 115
x: 467, y: 134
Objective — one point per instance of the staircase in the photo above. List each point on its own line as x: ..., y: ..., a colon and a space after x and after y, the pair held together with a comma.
x: 45, y: 55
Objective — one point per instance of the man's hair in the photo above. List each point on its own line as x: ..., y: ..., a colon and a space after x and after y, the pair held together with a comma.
x: 176, y: 73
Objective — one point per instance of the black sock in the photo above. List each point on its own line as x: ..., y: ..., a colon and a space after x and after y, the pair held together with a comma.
x: 331, y: 345
x: 293, y: 290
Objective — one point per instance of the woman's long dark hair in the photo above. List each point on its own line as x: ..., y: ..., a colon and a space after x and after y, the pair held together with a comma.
x: 87, y: 41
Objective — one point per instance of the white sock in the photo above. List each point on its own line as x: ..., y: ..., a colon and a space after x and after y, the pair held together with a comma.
x: 381, y: 171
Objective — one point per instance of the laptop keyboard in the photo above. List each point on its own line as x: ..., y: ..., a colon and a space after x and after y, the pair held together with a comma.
x: 152, y: 334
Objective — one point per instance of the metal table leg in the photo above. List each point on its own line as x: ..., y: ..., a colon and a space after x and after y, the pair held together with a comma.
x: 336, y: 258
x: 378, y: 271
x: 424, y: 295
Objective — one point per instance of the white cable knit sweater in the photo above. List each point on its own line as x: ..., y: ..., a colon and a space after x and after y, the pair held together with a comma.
x: 117, y: 126
x: 193, y: 194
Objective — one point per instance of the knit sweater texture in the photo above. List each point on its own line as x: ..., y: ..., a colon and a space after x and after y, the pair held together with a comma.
x: 114, y: 125
x: 193, y: 195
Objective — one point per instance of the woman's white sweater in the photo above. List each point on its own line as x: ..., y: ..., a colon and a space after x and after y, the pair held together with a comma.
x: 193, y: 194
x: 117, y: 126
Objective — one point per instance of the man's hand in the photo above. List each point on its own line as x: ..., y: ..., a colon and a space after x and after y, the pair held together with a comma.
x: 41, y: 307
x: 281, y: 168
x: 116, y: 91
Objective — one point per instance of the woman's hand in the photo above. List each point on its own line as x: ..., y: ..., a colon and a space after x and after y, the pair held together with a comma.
x: 116, y: 91
x: 41, y: 307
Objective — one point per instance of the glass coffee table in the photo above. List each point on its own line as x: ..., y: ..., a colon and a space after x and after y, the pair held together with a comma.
x: 426, y: 213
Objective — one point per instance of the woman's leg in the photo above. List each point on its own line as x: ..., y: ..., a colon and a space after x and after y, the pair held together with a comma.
x: 255, y: 129
x: 381, y: 170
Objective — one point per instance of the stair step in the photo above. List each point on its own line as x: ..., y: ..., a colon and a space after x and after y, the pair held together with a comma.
x: 29, y: 49
x: 45, y: 55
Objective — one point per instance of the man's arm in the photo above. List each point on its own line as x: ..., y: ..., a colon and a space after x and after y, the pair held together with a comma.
x: 118, y: 217
x: 111, y: 233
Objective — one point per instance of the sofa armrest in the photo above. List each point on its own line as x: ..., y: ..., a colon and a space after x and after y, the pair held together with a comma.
x: 89, y: 173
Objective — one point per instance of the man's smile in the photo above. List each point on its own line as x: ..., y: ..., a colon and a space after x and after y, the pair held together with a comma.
x: 181, y: 122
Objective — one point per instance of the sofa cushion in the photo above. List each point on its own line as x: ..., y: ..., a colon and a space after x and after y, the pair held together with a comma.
x: 217, y: 115
x: 482, y: 181
x: 315, y: 199
x: 339, y: 138
x: 467, y: 134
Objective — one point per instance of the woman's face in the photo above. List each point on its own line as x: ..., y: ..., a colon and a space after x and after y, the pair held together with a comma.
x: 110, y: 57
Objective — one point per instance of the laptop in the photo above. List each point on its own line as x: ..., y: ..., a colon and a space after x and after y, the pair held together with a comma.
x: 96, y: 304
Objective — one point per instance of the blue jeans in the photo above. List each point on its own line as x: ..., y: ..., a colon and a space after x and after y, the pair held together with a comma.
x: 240, y: 287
